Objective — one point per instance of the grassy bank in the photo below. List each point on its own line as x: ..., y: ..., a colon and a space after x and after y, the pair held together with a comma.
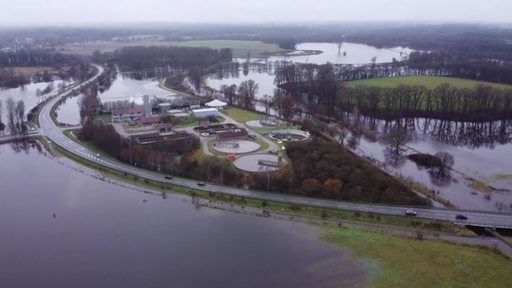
x: 408, y: 262
x: 430, y: 82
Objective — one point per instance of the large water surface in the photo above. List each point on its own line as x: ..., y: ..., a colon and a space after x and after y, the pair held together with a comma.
x: 61, y: 227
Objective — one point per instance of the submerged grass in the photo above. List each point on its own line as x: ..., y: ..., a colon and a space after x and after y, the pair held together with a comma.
x: 408, y: 262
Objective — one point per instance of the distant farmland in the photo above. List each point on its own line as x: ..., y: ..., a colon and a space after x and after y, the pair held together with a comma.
x: 429, y: 82
x: 240, y: 48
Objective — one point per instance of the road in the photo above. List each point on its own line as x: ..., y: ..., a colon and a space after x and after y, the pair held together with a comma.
x: 50, y: 130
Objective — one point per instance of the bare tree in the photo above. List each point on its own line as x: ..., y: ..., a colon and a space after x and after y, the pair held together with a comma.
x: 2, y: 125
x: 11, y: 118
x: 267, y: 103
x: 20, y: 115
x: 248, y: 90
x: 395, y: 139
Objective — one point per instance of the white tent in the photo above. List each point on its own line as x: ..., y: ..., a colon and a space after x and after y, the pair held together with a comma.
x: 216, y: 103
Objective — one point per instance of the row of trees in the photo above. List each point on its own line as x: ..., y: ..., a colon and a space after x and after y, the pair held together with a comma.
x: 483, y: 103
x: 243, y: 95
x: 318, y: 82
x: 325, y: 95
x: 140, y: 58
x: 35, y: 57
x: 161, y: 157
x: 63, y: 66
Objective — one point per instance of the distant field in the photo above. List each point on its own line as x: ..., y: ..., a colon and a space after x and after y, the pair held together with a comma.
x: 429, y: 82
x: 240, y: 48
x: 30, y: 71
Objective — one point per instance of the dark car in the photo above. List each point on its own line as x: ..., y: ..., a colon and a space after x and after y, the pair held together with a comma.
x: 168, y: 177
x: 461, y: 217
x: 201, y: 183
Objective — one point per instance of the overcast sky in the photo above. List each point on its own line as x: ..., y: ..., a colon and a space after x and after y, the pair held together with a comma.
x: 28, y: 12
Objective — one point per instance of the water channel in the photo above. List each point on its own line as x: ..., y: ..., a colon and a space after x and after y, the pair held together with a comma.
x: 69, y: 227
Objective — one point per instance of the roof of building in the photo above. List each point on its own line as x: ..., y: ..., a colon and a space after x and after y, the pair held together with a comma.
x: 216, y: 103
x: 147, y: 120
x: 231, y: 134
x: 133, y: 110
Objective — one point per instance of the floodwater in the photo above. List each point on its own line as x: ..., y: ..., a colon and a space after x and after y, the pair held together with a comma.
x: 123, y: 89
x: 26, y: 93
x: 354, y: 54
x: 350, y: 53
x: 265, y: 82
x: 69, y: 111
x: 65, y: 228
x: 488, y: 162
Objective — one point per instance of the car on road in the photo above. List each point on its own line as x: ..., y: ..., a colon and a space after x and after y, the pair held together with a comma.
x: 201, y: 184
x: 461, y: 217
x: 168, y: 177
x: 410, y: 212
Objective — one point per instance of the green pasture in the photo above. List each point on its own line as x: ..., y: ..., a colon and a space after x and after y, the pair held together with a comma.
x: 430, y: 82
x: 240, y: 48
x: 410, y: 262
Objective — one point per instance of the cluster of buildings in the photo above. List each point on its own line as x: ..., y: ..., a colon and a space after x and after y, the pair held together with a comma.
x: 146, y: 116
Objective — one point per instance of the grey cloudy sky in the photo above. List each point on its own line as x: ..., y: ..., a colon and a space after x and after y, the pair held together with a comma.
x: 27, y: 12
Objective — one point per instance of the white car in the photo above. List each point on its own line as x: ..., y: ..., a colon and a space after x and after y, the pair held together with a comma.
x: 410, y: 212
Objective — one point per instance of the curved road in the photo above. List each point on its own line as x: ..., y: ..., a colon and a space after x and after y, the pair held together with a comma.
x: 50, y: 130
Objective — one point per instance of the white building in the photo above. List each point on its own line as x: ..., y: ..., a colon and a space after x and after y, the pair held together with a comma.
x: 205, y: 112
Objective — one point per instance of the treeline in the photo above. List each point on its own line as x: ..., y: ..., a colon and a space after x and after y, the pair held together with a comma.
x: 483, y: 103
x: 463, y: 41
x: 317, y: 83
x: 139, y: 59
x: 11, y: 79
x: 35, y: 57
x: 161, y: 157
x: 451, y: 65
x: 317, y: 88
x: 63, y: 66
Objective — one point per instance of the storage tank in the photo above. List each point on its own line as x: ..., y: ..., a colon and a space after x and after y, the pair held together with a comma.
x: 164, y: 107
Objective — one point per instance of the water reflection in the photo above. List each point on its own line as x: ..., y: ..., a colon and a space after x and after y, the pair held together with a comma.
x: 31, y: 94
x: 107, y: 235
x: 476, y: 150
